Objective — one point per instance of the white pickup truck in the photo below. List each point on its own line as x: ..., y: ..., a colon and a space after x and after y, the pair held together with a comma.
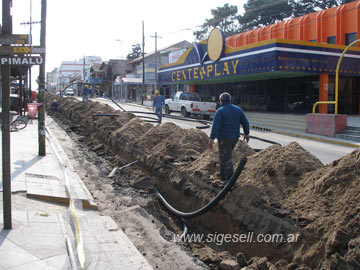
x: 189, y: 103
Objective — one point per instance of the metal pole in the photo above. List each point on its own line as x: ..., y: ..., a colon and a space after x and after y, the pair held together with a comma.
x: 30, y: 41
x: 21, y: 91
x: 5, y: 77
x: 337, y: 74
x: 155, y: 60
x: 143, y: 52
x: 41, y: 113
x: 143, y: 58
x: 84, y: 68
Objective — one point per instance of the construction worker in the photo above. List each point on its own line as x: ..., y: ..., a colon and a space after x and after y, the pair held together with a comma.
x: 226, y: 129
x: 158, y: 104
x: 85, y: 95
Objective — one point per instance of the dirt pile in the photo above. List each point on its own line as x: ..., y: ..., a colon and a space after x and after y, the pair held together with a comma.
x: 327, y: 204
x: 282, y: 190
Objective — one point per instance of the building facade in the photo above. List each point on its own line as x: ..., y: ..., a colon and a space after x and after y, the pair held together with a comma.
x: 284, y: 67
x: 153, y: 61
x: 70, y: 71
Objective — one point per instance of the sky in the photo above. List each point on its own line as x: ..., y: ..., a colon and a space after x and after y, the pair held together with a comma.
x: 109, y: 28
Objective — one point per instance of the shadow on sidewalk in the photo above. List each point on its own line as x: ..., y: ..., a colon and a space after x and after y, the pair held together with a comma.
x: 21, y: 167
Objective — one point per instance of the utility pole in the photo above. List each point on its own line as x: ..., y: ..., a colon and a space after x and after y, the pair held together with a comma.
x: 30, y: 23
x: 5, y: 78
x: 143, y: 56
x: 84, y: 68
x: 41, y: 97
x: 156, y: 59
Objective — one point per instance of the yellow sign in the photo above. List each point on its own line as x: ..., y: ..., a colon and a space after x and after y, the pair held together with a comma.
x: 22, y: 50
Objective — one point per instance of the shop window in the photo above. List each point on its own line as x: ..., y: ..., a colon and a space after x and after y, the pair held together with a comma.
x: 350, y: 37
x: 331, y: 40
x: 312, y: 40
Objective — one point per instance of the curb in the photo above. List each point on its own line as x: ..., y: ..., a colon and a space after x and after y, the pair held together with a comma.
x: 63, y: 159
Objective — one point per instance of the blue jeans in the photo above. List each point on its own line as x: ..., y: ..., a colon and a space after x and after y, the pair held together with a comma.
x: 226, y: 146
x: 85, y: 100
x: 158, y: 112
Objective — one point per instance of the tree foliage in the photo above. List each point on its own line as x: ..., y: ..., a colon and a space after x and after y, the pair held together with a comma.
x: 135, y: 52
x: 260, y: 13
x: 302, y: 7
x: 225, y: 18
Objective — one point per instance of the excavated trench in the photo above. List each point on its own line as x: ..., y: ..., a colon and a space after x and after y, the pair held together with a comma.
x: 282, y: 190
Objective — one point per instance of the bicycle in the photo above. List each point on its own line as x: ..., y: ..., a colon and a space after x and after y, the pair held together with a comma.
x: 18, y: 124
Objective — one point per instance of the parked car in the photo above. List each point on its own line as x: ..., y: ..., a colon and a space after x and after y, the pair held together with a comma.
x: 189, y: 103
x: 69, y: 92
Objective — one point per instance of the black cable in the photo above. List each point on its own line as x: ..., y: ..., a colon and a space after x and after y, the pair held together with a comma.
x: 264, y: 140
x: 206, y: 124
x: 96, y: 87
x: 212, y: 203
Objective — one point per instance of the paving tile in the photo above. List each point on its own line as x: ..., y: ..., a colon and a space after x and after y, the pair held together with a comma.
x: 43, y: 217
x: 38, y: 265
x: 44, y: 251
x: 12, y: 255
x: 18, y: 187
x: 42, y: 183
x: 58, y: 262
x: 20, y: 216
x: 45, y: 228
x: 26, y: 239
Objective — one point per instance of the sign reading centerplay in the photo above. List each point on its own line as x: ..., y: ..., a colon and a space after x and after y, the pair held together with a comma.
x: 29, y: 60
x: 281, y: 56
x: 221, y: 69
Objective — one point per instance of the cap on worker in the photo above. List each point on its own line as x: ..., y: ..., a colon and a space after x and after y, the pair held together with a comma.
x: 225, y: 97
x: 157, y: 92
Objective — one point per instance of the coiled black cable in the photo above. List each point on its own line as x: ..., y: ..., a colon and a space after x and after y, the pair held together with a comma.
x: 212, y: 203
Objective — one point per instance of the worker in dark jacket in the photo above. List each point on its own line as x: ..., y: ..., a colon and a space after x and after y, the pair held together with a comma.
x: 226, y: 129
x: 158, y: 104
x: 85, y: 95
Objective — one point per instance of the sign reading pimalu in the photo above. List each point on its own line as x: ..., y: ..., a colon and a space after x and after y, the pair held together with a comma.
x: 29, y: 60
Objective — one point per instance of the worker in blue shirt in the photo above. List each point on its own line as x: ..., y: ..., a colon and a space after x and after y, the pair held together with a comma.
x: 85, y: 95
x: 226, y: 129
x: 158, y: 104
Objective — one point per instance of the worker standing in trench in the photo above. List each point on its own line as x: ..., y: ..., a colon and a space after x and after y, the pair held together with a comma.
x: 226, y: 129
x: 158, y: 104
x: 85, y: 95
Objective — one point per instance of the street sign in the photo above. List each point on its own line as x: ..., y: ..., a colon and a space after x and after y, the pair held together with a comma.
x: 6, y: 50
x: 22, y: 60
x: 38, y: 50
x: 14, y: 39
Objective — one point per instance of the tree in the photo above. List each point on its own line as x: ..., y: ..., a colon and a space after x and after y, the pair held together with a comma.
x: 135, y: 52
x: 225, y: 18
x: 260, y: 13
x: 302, y: 7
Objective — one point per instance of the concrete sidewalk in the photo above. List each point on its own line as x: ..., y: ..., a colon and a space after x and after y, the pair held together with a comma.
x: 43, y: 234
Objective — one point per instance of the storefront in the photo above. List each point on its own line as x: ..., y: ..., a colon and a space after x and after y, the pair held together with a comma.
x: 278, y: 68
